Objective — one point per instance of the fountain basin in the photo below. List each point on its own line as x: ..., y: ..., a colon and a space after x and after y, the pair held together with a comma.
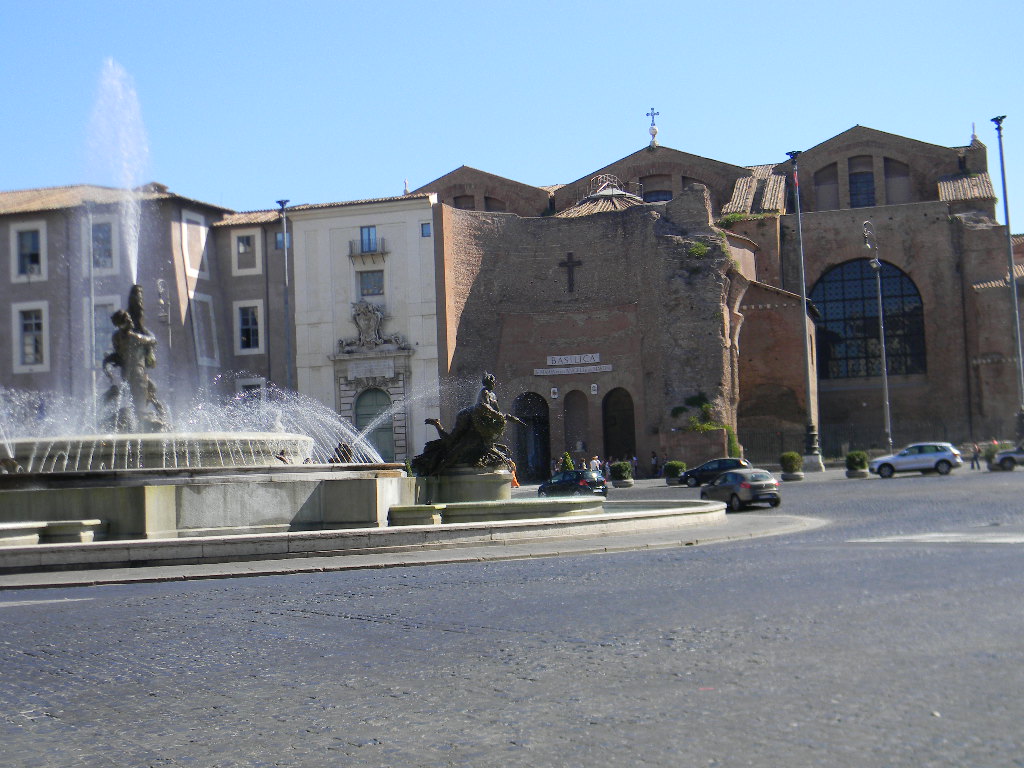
x: 184, y: 502
x: 171, y: 450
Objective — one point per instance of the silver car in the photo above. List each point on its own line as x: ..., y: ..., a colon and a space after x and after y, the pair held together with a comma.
x: 919, y: 457
x: 741, y: 487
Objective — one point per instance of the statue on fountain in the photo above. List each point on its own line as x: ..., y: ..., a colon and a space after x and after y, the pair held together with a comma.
x: 473, y: 440
x: 134, y: 352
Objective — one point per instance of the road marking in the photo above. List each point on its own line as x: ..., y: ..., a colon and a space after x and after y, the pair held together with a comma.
x: 948, y: 538
x: 19, y: 603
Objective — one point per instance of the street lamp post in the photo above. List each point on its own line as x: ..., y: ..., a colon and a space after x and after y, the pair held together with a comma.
x: 871, y: 243
x: 1012, y: 278
x: 287, y: 312
x: 812, y: 455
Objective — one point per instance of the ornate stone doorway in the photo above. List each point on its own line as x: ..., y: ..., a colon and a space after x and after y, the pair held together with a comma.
x: 372, y: 415
x: 532, y: 448
x: 619, y: 425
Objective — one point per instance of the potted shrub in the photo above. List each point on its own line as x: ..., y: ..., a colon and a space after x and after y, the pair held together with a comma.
x: 673, y: 469
x: 792, y: 464
x: 857, y: 464
x: 567, y: 464
x: 622, y: 474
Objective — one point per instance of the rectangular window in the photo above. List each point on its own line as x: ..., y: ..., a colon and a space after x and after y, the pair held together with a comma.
x: 102, y: 329
x: 368, y: 238
x: 195, y: 241
x: 31, y: 336
x: 30, y: 344
x: 248, y: 322
x: 248, y: 328
x: 28, y: 251
x: 425, y: 229
x: 205, y: 330
x: 371, y: 282
x: 279, y: 240
x: 30, y: 257
x: 103, y: 245
x: 245, y: 253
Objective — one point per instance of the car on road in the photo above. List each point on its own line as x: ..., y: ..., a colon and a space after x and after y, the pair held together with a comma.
x: 574, y: 482
x: 919, y: 457
x: 709, y: 470
x: 1008, y: 458
x: 740, y: 488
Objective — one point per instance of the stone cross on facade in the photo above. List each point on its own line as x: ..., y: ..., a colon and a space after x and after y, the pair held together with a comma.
x: 570, y: 265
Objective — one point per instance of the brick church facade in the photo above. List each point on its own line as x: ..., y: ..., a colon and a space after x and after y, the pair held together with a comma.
x: 664, y: 288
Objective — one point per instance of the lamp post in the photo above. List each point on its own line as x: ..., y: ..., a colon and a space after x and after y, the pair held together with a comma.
x: 812, y: 455
x: 287, y: 312
x: 871, y: 243
x: 1012, y: 279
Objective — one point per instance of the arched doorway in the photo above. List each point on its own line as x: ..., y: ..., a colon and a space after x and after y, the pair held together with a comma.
x: 619, y: 427
x: 577, y: 430
x: 532, y: 449
x: 371, y: 416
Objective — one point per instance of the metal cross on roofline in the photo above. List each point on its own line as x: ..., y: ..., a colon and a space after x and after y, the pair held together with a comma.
x: 652, y: 114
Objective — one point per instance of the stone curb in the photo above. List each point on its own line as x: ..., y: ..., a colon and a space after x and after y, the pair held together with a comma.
x: 735, y: 527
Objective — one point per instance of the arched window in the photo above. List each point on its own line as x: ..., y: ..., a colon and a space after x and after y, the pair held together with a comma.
x: 657, y: 188
x: 897, y: 182
x: 862, y: 181
x: 847, y: 333
x: 465, y: 202
x: 495, y: 204
x: 373, y: 419
x: 826, y: 188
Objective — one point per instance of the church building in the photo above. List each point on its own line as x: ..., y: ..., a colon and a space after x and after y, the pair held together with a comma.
x: 633, y: 310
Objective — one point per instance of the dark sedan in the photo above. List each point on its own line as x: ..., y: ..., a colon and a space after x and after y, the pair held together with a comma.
x: 709, y: 470
x: 574, y: 482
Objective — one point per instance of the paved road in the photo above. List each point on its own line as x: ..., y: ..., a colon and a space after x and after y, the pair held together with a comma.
x: 866, y: 642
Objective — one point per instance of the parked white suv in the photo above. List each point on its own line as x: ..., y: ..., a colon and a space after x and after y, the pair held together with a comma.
x: 919, y: 457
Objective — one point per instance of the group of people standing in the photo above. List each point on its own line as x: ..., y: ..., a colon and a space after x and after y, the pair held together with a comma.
x: 596, y: 464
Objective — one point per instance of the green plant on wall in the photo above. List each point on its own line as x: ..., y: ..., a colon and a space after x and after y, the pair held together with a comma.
x: 697, y: 250
x: 705, y: 423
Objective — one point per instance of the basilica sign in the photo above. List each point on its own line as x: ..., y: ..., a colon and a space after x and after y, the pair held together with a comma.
x: 563, y: 365
x: 587, y: 359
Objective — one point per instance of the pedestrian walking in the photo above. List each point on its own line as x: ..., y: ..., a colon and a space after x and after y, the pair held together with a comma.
x: 975, y: 456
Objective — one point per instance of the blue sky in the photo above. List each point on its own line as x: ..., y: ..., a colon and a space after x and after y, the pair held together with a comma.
x: 244, y: 103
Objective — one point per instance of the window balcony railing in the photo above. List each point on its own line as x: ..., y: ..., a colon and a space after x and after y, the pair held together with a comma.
x: 377, y: 247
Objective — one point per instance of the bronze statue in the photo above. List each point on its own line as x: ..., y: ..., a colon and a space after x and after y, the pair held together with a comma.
x: 473, y: 440
x: 134, y: 352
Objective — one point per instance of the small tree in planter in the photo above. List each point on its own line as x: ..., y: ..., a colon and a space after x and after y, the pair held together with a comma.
x: 857, y: 464
x: 673, y: 469
x: 622, y: 474
x: 567, y: 462
x: 792, y: 464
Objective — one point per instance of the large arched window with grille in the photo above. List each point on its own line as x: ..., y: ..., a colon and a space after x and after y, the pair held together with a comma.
x: 847, y: 333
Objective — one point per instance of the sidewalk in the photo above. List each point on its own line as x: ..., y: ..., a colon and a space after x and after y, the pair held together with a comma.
x: 737, y: 526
